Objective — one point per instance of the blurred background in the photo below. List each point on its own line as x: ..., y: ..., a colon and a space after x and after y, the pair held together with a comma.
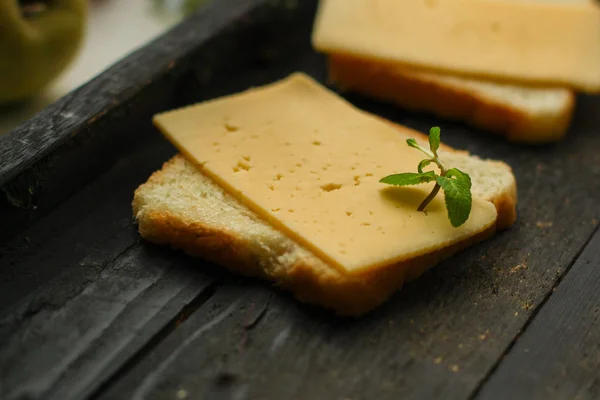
x: 112, y: 29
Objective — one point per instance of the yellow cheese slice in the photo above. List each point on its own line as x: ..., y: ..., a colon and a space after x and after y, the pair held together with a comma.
x: 537, y: 42
x: 309, y: 163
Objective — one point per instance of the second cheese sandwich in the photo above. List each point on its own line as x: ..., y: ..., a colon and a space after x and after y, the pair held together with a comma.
x: 282, y: 182
x: 507, y: 66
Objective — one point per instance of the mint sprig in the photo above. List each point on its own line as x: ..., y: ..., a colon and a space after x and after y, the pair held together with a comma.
x: 455, y: 183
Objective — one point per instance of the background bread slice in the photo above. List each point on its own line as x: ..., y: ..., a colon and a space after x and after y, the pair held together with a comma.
x: 520, y: 113
x: 181, y: 207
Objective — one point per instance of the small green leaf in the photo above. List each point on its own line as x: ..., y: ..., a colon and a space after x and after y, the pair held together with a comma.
x: 409, y: 178
x: 457, y: 195
x: 413, y: 143
x: 423, y: 164
x: 455, y: 183
x: 434, y: 139
x: 458, y: 174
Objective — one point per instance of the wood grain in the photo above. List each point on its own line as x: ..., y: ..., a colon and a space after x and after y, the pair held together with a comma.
x: 88, y: 222
x: 97, y: 330
x: 80, y: 301
x: 558, y: 356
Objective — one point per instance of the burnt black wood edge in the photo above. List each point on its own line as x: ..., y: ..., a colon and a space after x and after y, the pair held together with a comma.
x: 67, y: 145
x: 557, y: 355
x: 73, y: 114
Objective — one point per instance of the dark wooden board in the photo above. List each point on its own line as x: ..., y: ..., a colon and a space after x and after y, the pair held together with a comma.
x: 89, y: 295
x: 88, y: 310
x: 558, y: 356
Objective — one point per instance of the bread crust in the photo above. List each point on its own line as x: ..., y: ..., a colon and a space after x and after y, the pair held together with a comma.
x: 415, y: 92
x: 308, y: 278
x: 347, y: 295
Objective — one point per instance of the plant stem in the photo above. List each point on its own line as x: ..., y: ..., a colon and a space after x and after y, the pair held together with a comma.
x: 436, y: 188
x: 431, y: 196
x: 433, y: 157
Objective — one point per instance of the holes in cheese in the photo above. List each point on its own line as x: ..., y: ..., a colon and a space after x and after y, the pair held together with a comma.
x: 353, y: 227
x: 230, y: 127
x: 331, y: 186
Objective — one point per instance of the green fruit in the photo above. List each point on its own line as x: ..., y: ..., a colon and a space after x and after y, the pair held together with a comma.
x: 177, y: 7
x: 189, y: 6
x: 38, y: 40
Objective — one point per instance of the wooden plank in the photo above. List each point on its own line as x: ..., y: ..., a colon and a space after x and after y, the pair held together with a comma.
x: 81, y: 225
x: 82, y: 297
x: 221, y: 328
x: 558, y: 356
x: 69, y: 351
x: 438, y: 338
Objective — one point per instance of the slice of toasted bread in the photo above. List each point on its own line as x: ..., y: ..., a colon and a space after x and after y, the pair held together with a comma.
x: 520, y: 113
x: 182, y: 207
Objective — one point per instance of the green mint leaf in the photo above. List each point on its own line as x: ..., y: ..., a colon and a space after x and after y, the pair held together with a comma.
x: 423, y: 164
x: 458, y: 174
x: 413, y: 143
x: 434, y: 139
x: 457, y: 195
x: 409, y: 178
x: 455, y: 183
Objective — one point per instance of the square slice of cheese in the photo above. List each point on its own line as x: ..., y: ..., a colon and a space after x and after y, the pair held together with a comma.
x: 308, y: 162
x: 546, y: 43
